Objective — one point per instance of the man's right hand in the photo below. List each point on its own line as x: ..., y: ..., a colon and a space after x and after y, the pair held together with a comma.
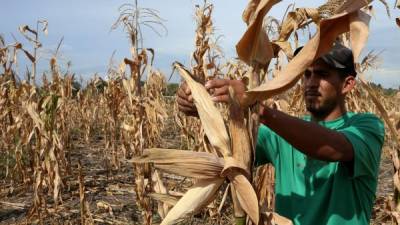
x: 185, y: 100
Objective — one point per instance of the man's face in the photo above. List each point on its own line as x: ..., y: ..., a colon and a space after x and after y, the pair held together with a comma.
x: 323, y: 89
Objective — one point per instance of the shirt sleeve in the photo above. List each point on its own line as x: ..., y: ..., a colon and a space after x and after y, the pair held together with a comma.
x: 366, y: 134
x: 266, y: 148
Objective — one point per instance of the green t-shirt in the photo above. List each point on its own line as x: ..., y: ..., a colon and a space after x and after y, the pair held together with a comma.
x: 310, y: 191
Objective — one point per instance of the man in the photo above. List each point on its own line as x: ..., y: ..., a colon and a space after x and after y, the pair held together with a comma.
x: 326, y: 164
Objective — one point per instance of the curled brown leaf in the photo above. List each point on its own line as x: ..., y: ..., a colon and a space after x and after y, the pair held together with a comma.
x: 255, y: 46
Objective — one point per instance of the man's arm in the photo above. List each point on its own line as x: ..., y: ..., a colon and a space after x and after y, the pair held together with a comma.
x: 310, y: 138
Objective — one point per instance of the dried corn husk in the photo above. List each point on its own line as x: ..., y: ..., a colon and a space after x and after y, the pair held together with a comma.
x: 210, y: 117
x: 240, y: 163
x: 245, y: 195
x: 200, y: 165
x: 320, y: 44
x: 197, y: 197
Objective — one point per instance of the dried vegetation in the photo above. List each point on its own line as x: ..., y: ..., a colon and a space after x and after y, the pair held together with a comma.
x: 48, y: 131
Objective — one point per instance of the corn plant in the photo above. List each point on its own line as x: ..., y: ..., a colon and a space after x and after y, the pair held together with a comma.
x: 141, y: 124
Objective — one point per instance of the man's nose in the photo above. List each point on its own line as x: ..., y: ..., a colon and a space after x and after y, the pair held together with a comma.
x: 312, y: 80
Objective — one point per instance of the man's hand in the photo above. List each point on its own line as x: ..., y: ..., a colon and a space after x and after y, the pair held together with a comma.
x: 219, y: 89
x: 185, y: 100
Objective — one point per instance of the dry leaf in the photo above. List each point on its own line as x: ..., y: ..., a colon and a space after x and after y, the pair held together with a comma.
x: 25, y: 28
x: 284, y: 46
x: 359, y: 31
x: 246, y: 196
x: 45, y: 26
x: 396, y: 180
x: 398, y: 21
x: 29, y: 55
x: 160, y: 189
x: 105, y: 206
x: 198, y: 196
x: 295, y: 20
x: 249, y: 12
x: 200, y: 165
x: 254, y: 46
x: 34, y: 115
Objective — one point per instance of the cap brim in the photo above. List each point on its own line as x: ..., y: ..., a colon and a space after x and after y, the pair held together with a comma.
x: 332, y: 62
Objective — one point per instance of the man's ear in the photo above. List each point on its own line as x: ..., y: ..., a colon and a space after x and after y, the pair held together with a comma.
x: 348, y: 84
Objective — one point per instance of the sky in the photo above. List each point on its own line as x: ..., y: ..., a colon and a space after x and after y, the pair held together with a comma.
x: 89, y: 41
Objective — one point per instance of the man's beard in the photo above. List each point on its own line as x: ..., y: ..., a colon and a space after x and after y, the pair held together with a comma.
x: 321, y: 110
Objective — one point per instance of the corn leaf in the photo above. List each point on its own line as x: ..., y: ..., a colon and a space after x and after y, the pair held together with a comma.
x: 255, y: 46
x: 295, y: 19
x: 29, y: 55
x: 359, y: 31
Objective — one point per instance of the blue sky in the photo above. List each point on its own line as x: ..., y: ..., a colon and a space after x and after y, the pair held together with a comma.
x: 89, y: 43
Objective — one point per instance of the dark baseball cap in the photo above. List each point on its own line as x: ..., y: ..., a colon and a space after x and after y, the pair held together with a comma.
x: 340, y: 58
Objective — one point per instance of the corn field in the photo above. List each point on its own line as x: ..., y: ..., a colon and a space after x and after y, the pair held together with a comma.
x: 118, y: 151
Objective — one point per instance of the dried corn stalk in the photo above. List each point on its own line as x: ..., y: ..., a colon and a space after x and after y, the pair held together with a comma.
x: 36, y: 127
x: 204, y: 65
x: 142, y: 113
x: 32, y: 36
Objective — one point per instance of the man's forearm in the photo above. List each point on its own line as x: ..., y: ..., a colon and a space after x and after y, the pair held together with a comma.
x: 310, y: 138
